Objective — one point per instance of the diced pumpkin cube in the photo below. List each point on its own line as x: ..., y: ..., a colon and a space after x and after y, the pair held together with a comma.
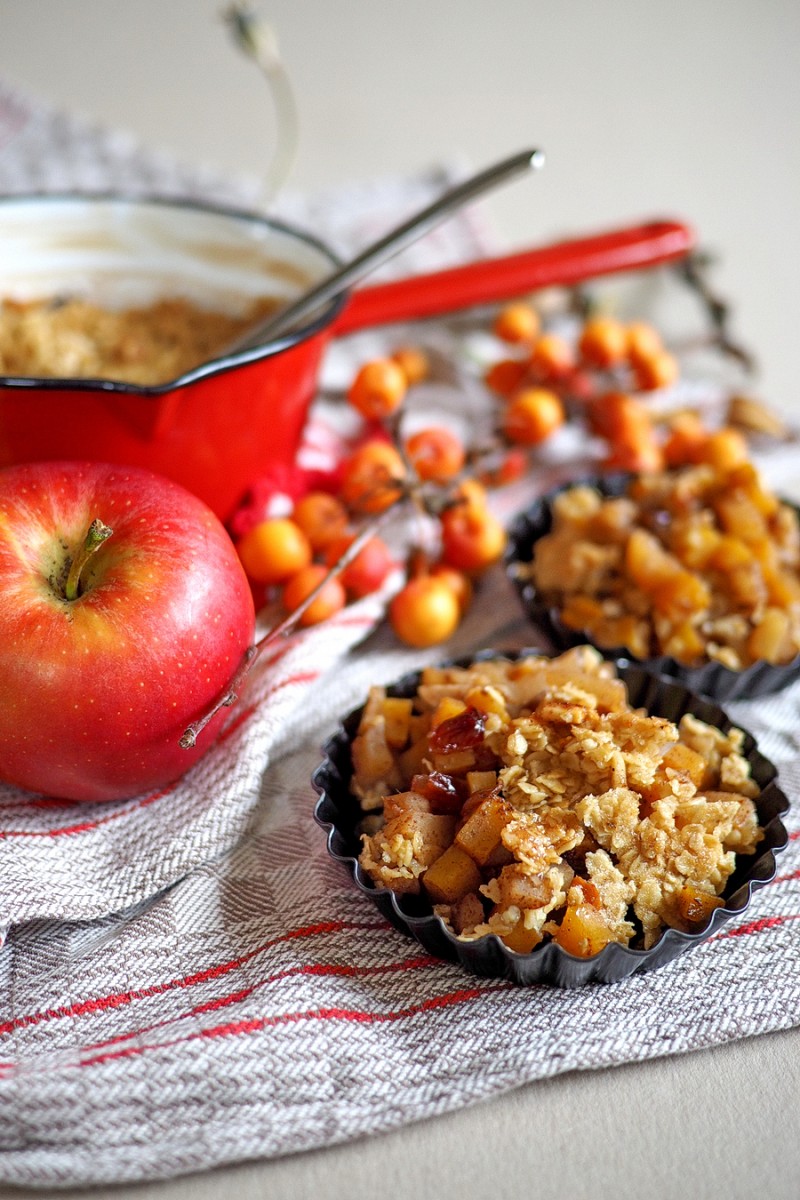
x: 397, y: 716
x: 695, y: 544
x: 730, y: 552
x: 487, y: 699
x: 783, y: 588
x: 448, y: 706
x: 681, y: 593
x: 770, y: 639
x: 684, y: 643
x: 581, y: 612
x: 746, y: 585
x: 522, y: 940
x: 582, y: 932
x: 695, y: 907
x: 480, y: 834
x: 647, y: 563
x: 452, y: 876
x: 739, y: 516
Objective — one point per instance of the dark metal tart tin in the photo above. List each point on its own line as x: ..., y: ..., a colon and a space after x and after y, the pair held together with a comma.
x: 339, y: 813
x: 709, y: 678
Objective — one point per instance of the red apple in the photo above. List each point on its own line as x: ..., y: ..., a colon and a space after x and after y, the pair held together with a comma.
x: 111, y: 647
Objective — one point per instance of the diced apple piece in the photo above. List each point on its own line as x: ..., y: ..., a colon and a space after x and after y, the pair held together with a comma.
x: 518, y: 888
x: 411, y: 761
x: 373, y: 761
x: 455, y: 762
x: 426, y: 836
x: 404, y: 802
x: 397, y: 715
x: 467, y: 912
x: 686, y: 761
x: 480, y: 834
x: 452, y: 876
x: 481, y: 781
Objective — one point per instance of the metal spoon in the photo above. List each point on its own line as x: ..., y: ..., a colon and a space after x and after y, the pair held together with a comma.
x: 389, y: 245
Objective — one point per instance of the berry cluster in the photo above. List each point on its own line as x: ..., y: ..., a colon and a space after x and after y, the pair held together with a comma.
x: 601, y: 377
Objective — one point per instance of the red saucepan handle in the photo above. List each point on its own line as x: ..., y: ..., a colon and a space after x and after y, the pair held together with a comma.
x: 494, y: 279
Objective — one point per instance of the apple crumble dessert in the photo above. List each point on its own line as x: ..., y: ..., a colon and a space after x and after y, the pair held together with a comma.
x: 700, y: 564
x: 529, y: 800
x: 74, y: 339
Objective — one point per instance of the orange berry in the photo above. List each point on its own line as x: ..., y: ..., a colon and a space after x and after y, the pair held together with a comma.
x: 371, y: 478
x: 321, y: 517
x: 532, y: 415
x: 413, y: 362
x: 614, y: 414
x: 552, y: 356
x: 656, y: 370
x: 424, y: 612
x: 472, y: 537
x: 603, y: 342
x: 505, y: 376
x: 470, y: 494
x: 273, y: 550
x: 685, y: 440
x: 459, y: 583
x: 511, y: 466
x: 378, y: 389
x: 640, y: 454
x: 436, y: 453
x: 642, y: 341
x: 517, y: 323
x: 330, y: 599
x: 367, y: 571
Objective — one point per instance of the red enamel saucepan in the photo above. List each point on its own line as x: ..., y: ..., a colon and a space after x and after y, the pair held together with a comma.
x: 220, y: 426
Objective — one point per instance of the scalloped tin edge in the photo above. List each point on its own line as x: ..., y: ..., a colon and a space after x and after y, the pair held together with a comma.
x: 549, y: 964
x: 712, y: 679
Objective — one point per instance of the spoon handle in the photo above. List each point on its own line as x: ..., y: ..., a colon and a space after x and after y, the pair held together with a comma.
x: 389, y: 245
x: 489, y: 280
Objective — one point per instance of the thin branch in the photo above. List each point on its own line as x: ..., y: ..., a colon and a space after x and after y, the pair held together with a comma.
x: 284, y: 627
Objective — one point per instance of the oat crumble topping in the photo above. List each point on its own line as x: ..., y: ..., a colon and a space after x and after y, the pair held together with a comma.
x: 528, y: 799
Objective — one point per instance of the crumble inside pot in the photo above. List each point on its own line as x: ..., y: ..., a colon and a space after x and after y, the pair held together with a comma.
x: 74, y: 339
x: 528, y: 799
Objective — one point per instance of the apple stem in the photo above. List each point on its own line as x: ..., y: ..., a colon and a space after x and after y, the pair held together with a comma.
x: 96, y: 534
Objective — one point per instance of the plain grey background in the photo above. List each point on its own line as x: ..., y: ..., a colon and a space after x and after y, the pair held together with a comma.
x: 644, y: 108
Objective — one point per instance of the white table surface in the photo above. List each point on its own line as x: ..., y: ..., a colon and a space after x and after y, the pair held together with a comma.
x: 671, y: 107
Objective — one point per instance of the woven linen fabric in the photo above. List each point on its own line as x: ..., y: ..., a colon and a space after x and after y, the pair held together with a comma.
x: 190, y: 980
